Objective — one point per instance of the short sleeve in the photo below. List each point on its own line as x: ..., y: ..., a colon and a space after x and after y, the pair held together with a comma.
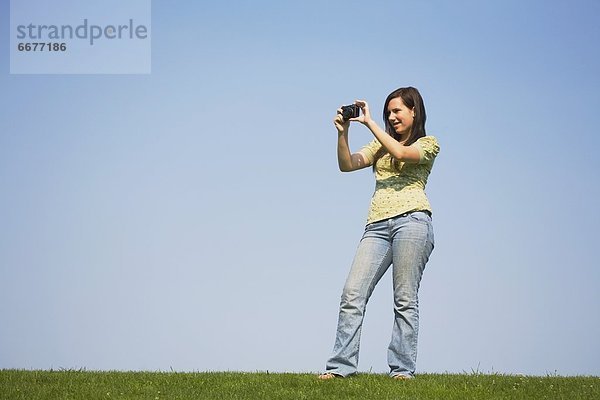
x: 428, y: 149
x: 368, y: 151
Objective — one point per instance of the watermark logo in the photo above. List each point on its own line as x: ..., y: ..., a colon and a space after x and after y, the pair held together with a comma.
x: 80, y: 37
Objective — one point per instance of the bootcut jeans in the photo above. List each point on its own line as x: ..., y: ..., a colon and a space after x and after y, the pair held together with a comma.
x: 406, y: 242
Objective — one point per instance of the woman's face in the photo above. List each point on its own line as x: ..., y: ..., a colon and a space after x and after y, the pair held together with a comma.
x: 401, y: 117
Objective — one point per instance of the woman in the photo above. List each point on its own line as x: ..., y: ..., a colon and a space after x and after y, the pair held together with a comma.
x: 399, y: 231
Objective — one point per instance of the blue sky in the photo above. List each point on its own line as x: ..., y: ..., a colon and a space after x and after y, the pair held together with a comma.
x: 194, y: 218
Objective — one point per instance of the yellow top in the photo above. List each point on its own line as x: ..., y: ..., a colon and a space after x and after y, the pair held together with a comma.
x: 401, y: 190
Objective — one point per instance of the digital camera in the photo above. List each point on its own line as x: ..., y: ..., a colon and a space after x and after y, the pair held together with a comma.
x: 351, y: 111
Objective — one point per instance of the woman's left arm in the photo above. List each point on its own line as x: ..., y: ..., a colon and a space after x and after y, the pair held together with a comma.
x: 397, y: 150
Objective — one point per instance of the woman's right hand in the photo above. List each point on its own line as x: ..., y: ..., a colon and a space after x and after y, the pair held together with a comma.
x: 340, y: 124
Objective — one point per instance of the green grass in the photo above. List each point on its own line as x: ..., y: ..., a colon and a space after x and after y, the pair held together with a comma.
x: 89, y: 385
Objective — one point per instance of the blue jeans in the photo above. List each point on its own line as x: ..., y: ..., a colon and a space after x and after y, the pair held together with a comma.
x: 406, y: 241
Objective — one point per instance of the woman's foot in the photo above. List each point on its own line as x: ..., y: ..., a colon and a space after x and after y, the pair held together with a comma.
x: 402, y: 377
x: 327, y: 376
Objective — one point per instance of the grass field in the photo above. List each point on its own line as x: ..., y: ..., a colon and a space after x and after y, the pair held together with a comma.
x: 88, y: 385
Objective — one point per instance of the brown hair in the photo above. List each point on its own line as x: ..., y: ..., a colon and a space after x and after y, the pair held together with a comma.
x: 412, y: 99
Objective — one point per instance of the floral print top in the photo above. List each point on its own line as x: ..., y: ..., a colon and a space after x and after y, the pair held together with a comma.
x: 400, y: 188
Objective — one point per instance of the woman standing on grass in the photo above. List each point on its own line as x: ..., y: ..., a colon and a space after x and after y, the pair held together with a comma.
x: 399, y: 230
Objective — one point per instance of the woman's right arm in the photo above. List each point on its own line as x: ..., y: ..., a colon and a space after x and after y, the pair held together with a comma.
x: 346, y: 160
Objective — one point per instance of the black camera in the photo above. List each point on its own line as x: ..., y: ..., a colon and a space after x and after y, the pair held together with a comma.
x: 351, y: 111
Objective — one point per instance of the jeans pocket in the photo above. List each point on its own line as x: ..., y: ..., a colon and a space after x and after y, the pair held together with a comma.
x: 420, y: 216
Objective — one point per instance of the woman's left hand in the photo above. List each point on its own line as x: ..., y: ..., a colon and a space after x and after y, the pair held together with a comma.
x: 365, y: 117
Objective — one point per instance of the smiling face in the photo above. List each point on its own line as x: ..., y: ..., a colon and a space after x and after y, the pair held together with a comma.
x: 400, y: 117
